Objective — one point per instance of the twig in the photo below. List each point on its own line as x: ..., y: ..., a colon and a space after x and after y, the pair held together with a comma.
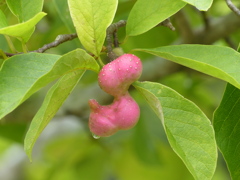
x: 115, y: 39
x: 205, y: 19
x: 218, y: 28
x: 184, y: 26
x: 112, y: 32
x: 167, y: 23
x: 59, y: 40
x: 233, y: 7
x: 229, y: 41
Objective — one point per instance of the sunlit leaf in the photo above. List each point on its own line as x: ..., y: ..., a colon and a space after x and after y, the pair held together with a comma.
x: 147, y: 14
x: 52, y: 102
x: 218, y: 61
x: 25, y: 9
x: 23, y: 75
x: 226, y: 123
x: 24, y: 30
x: 188, y: 130
x: 91, y: 19
x: 202, y: 5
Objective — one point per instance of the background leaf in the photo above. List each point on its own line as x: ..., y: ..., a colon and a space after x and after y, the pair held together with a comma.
x: 218, y: 61
x: 23, y: 30
x: 227, y: 128
x: 64, y: 14
x: 25, y: 9
x: 91, y: 19
x: 33, y: 71
x: 202, y: 5
x: 147, y: 14
x: 17, y: 76
x: 3, y: 20
x: 52, y: 102
x: 188, y: 129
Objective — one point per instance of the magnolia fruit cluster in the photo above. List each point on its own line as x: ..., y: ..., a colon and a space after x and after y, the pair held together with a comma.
x: 115, y: 79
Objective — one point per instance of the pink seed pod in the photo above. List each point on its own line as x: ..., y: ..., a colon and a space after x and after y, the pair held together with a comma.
x: 122, y: 114
x: 116, y: 76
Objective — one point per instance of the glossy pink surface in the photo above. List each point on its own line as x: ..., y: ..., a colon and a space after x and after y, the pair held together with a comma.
x: 123, y: 113
x: 115, y: 79
x: 116, y: 76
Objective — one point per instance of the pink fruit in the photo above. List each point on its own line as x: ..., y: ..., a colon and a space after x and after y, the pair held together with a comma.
x: 115, y: 79
x: 116, y: 76
x: 122, y: 114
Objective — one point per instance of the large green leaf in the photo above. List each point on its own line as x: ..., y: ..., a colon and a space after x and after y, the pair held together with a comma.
x: 64, y: 14
x: 52, y: 102
x: 91, y: 19
x: 147, y: 14
x: 227, y: 128
x: 3, y: 20
x: 25, y: 9
x: 23, y: 75
x: 202, y: 5
x: 24, y: 30
x: 188, y: 130
x: 218, y: 61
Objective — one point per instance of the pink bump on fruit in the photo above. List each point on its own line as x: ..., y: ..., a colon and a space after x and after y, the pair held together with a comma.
x: 122, y: 114
x: 115, y: 79
x: 116, y: 76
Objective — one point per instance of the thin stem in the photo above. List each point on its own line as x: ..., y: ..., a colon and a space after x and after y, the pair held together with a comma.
x: 238, y: 48
x: 24, y: 47
x: 167, y: 23
x: 100, y: 61
x: 230, y: 42
x: 3, y: 54
x: 10, y: 44
x: 59, y: 40
x: 233, y: 7
x: 205, y: 20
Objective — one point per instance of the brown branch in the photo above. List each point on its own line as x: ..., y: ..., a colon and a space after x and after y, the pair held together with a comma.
x: 229, y: 41
x: 205, y: 20
x: 167, y: 23
x: 111, y: 32
x: 183, y: 26
x: 233, y: 7
x: 218, y: 29
x: 59, y: 40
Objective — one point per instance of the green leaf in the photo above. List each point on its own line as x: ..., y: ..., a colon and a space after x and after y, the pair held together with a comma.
x: 188, y: 129
x: 52, y: 102
x: 3, y: 20
x: 24, y: 30
x: 147, y: 14
x: 226, y: 123
x: 218, y: 61
x: 91, y: 19
x: 25, y: 9
x: 202, y: 5
x: 23, y: 75
x: 64, y: 14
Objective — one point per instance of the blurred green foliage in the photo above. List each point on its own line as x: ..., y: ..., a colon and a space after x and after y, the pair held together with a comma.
x: 140, y: 153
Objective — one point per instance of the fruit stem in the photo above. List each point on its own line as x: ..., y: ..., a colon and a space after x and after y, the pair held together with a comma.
x: 100, y: 61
